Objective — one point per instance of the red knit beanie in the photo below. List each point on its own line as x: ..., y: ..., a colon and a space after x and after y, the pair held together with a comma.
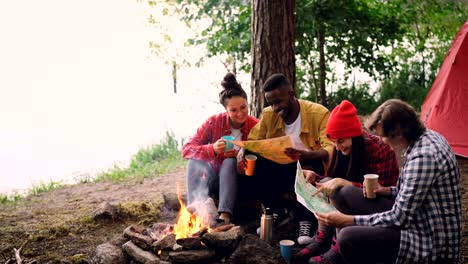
x: 344, y: 122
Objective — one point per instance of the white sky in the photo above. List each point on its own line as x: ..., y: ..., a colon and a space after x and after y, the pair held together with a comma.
x: 79, y: 89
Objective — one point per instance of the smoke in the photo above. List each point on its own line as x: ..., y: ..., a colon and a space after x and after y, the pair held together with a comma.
x: 201, y: 181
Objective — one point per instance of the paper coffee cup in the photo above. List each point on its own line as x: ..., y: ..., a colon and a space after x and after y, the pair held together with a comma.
x: 286, y: 249
x: 371, y: 181
x: 251, y: 159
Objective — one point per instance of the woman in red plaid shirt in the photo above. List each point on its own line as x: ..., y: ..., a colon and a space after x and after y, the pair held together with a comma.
x: 212, y: 168
x: 356, y: 153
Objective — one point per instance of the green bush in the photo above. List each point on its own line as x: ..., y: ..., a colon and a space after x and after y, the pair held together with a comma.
x: 360, y: 95
x: 149, y: 161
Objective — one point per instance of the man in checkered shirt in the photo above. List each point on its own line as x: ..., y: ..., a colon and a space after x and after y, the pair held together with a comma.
x: 424, y: 223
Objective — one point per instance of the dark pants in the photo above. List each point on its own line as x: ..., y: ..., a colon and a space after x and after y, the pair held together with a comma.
x: 365, y: 244
x: 273, y: 184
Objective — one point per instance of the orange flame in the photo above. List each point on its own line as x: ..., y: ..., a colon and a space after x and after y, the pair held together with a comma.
x: 187, y: 223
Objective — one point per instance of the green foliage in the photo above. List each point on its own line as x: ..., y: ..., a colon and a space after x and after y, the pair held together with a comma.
x: 41, y: 187
x: 37, y: 188
x: 227, y: 35
x: 10, y: 198
x: 148, y: 162
x: 355, y: 31
x: 360, y: 95
x: 408, y: 85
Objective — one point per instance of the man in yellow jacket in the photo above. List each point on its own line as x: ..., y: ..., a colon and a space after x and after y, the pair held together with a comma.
x: 288, y: 115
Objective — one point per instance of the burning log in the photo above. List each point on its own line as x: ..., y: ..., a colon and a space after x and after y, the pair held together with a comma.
x: 160, y: 230
x: 190, y: 243
x: 223, y: 242
x: 222, y: 228
x: 137, y: 238
x: 166, y: 242
x: 200, y: 232
x: 140, y: 255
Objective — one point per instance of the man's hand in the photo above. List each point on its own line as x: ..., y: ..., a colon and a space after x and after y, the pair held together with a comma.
x: 335, y: 218
x: 293, y: 153
x: 241, y: 162
x: 219, y: 146
x: 310, y: 176
x: 329, y: 187
x: 378, y: 190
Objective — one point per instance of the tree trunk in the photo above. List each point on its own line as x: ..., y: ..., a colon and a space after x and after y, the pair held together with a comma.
x: 272, y: 46
x: 174, y: 75
x: 322, y: 68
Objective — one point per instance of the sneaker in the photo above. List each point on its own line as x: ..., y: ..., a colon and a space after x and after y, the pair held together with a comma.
x: 304, y: 237
x: 319, y: 245
x: 332, y: 256
x: 280, y: 218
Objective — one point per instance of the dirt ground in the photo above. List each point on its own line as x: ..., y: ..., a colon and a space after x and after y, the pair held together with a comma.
x: 59, y: 228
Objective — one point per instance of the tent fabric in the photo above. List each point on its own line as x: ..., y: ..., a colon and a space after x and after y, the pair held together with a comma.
x: 445, y: 108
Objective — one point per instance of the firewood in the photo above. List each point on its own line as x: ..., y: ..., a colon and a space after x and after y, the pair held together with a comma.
x: 200, y: 232
x: 223, y: 228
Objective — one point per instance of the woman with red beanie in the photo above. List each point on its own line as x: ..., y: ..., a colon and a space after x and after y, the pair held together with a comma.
x: 356, y: 153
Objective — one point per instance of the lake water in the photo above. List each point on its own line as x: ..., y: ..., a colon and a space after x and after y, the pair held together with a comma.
x: 80, y: 90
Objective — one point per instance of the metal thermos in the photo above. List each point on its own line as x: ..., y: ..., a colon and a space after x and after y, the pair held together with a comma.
x: 266, y: 225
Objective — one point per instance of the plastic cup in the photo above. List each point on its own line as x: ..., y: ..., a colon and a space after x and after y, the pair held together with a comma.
x: 371, y: 181
x: 229, y: 144
x: 251, y: 159
x: 286, y: 248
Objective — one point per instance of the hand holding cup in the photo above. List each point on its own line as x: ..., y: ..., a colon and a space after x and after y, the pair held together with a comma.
x: 370, y: 185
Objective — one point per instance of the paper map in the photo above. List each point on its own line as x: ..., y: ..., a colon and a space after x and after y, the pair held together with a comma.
x: 273, y: 148
x: 304, y: 191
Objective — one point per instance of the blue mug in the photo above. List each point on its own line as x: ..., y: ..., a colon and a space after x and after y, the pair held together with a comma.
x: 229, y: 144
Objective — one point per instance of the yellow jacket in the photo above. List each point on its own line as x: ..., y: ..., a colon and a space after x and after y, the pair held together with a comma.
x: 314, y: 119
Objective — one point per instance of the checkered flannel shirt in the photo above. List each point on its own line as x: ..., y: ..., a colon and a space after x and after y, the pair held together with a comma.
x: 427, y: 205
x: 200, y: 145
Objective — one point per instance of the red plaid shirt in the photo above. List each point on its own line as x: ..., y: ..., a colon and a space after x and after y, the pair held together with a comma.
x: 200, y: 146
x: 382, y: 161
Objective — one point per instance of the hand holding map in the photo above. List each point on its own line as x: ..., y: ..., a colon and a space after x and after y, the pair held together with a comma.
x: 309, y: 196
x: 273, y: 149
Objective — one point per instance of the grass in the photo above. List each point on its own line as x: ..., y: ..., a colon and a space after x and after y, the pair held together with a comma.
x: 36, y: 189
x: 148, y: 162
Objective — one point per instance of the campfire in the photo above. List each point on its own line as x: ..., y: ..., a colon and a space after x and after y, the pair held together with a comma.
x: 189, y: 224
x: 192, y: 239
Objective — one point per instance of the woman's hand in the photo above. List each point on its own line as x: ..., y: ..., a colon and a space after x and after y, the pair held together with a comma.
x: 310, y: 176
x: 378, y: 190
x: 335, y: 218
x: 219, y: 146
x: 329, y: 187
x: 232, y: 153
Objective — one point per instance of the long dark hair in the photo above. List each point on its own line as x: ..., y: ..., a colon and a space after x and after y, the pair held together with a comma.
x: 351, y: 168
x: 231, y: 88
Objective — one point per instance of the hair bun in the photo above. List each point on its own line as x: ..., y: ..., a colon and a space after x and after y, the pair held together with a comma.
x: 230, y: 82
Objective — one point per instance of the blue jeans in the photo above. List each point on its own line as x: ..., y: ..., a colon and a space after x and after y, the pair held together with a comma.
x: 222, y: 185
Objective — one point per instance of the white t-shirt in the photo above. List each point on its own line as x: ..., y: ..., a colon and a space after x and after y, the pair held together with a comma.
x: 237, y: 134
x: 294, y: 129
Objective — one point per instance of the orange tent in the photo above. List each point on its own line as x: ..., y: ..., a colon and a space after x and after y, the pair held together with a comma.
x: 444, y: 109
